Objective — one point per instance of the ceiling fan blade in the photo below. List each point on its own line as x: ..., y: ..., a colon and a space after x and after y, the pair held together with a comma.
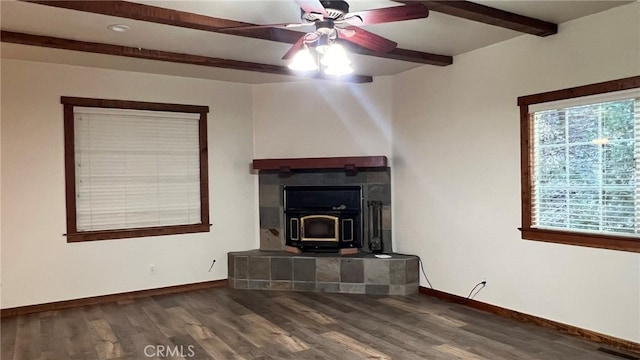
x: 369, y: 40
x: 292, y: 51
x: 391, y: 14
x: 346, y: 33
x: 251, y: 27
x: 312, y: 6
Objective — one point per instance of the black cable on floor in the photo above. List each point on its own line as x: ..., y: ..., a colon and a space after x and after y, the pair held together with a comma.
x: 483, y: 283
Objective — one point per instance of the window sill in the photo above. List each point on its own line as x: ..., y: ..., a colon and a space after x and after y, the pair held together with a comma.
x: 139, y: 232
x: 622, y: 243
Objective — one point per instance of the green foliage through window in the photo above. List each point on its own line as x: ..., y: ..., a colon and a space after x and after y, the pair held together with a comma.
x: 584, y: 173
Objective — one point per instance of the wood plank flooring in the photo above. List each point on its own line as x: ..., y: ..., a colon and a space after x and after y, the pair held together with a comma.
x: 224, y: 323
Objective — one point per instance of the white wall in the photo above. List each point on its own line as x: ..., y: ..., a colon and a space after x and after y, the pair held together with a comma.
x: 457, y: 176
x: 38, y: 265
x: 322, y: 118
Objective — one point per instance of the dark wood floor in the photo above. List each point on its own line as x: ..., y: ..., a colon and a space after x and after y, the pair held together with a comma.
x: 224, y: 323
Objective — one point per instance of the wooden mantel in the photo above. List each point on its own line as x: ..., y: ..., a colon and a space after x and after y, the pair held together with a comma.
x: 351, y: 163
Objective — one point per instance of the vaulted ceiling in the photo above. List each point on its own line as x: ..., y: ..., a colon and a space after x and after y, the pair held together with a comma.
x: 192, y: 38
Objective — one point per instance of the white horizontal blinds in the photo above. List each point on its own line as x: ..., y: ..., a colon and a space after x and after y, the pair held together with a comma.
x: 636, y: 114
x: 585, y: 177
x: 136, y: 168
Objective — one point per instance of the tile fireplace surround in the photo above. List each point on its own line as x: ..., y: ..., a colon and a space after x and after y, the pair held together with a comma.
x: 371, y: 173
x: 355, y: 274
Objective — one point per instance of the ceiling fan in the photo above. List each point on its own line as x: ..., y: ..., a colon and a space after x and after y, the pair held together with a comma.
x: 333, y: 22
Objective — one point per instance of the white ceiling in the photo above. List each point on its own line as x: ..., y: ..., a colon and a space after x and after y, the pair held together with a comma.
x: 439, y: 34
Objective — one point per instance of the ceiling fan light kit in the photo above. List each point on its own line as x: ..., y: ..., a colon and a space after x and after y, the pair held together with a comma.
x: 332, y: 56
x: 334, y: 60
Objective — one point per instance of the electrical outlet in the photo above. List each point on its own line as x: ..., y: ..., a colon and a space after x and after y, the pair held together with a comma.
x: 152, y: 269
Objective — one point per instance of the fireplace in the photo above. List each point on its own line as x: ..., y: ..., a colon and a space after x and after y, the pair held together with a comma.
x: 323, y: 218
x: 355, y: 182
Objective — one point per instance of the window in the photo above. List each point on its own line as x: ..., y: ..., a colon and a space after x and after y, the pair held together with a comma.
x: 134, y: 169
x: 580, y: 183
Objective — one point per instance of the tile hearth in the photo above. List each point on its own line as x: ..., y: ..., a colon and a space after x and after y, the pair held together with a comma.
x: 355, y: 274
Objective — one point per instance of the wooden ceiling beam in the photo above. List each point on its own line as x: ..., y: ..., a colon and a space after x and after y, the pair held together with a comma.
x: 149, y: 54
x: 488, y: 15
x: 154, y: 14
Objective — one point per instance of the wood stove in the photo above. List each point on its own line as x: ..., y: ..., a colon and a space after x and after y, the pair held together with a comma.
x: 323, y: 218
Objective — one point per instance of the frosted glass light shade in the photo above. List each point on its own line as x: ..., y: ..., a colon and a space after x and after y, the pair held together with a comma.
x: 303, y: 61
x: 338, y: 70
x: 335, y: 55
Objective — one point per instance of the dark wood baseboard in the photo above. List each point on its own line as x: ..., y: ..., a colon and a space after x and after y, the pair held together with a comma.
x: 95, y: 300
x: 512, y: 314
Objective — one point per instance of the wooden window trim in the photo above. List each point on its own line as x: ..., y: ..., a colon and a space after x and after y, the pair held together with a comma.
x: 73, y: 235
x: 611, y: 242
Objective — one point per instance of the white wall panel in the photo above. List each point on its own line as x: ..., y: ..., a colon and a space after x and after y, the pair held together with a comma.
x: 322, y: 118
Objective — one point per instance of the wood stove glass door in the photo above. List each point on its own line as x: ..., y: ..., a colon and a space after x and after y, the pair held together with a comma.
x: 319, y: 228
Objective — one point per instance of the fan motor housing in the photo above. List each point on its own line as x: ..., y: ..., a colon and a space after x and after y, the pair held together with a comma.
x: 337, y: 5
x: 335, y: 9
x: 324, y: 26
